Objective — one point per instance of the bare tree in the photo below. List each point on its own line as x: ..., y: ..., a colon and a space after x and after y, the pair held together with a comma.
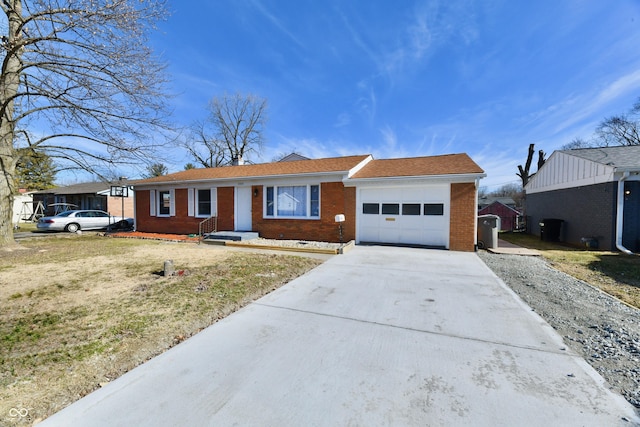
x: 577, y: 143
x: 524, y: 172
x: 541, y: 159
x: 483, y: 192
x: 233, y: 130
x: 623, y: 129
x: 511, y: 190
x: 205, y: 148
x: 78, y: 83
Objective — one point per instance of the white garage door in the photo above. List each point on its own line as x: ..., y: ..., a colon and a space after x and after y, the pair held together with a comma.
x: 411, y: 216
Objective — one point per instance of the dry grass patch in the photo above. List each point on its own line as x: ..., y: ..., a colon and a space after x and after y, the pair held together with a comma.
x: 612, y: 272
x: 79, y: 312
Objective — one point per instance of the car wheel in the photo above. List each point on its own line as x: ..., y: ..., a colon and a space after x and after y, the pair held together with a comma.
x: 73, y: 227
x: 124, y: 224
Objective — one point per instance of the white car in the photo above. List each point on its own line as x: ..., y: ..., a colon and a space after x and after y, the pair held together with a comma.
x: 75, y: 220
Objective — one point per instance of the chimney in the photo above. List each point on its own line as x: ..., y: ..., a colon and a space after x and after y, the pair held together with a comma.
x: 237, y: 161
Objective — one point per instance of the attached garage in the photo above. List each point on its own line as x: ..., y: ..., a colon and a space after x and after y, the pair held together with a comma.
x: 423, y: 201
x: 406, y: 215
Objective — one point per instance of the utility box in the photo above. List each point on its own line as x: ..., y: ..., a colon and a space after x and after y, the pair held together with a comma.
x: 488, y: 226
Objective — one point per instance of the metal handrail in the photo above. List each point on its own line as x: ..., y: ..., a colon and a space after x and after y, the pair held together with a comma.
x: 209, y: 225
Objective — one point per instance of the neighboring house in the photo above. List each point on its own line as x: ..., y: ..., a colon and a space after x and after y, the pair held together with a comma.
x: 594, y: 192
x: 510, y: 218
x: 428, y: 201
x: 293, y: 157
x: 483, y: 202
x: 92, y: 195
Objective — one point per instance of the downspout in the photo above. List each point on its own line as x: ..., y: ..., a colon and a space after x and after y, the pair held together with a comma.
x: 620, y: 214
x: 475, y: 219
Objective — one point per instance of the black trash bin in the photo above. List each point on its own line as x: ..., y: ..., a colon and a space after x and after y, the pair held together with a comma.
x: 550, y: 229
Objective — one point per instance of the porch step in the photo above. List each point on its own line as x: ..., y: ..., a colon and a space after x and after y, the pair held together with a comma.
x: 234, y: 236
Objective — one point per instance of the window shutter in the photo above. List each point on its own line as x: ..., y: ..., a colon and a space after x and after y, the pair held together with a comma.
x: 152, y: 202
x: 214, y: 202
x: 191, y: 200
x: 172, y: 205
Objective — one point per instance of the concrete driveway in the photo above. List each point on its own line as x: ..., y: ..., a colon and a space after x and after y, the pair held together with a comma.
x: 379, y: 336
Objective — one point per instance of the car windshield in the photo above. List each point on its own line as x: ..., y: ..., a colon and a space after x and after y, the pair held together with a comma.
x: 67, y: 213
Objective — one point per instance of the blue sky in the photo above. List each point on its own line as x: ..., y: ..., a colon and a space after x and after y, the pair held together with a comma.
x: 408, y: 78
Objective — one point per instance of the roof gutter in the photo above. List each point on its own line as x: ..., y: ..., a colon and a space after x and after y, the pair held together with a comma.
x: 155, y: 184
x: 620, y: 214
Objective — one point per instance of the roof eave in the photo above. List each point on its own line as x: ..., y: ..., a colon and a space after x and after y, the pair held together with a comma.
x: 466, y: 177
x: 629, y: 169
x: 240, y: 178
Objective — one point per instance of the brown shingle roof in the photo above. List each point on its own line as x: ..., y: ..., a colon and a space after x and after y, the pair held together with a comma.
x: 334, y: 164
x: 450, y: 164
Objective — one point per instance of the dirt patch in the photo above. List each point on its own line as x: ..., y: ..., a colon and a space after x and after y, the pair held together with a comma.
x: 156, y: 236
x: 77, y: 313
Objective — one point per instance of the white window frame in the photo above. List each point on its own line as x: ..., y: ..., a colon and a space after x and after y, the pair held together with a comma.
x: 213, y: 201
x: 275, y: 202
x: 194, y: 201
x: 155, y: 201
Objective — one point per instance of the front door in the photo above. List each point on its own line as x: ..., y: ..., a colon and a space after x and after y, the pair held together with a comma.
x: 243, y: 209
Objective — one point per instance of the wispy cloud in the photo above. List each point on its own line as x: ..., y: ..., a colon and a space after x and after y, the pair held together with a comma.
x: 570, y: 116
x: 390, y: 140
x: 308, y: 147
x: 342, y: 120
x: 357, y: 39
x: 367, y: 102
x: 276, y: 22
x: 434, y: 26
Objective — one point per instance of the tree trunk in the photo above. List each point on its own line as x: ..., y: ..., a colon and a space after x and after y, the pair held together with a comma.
x: 9, y: 84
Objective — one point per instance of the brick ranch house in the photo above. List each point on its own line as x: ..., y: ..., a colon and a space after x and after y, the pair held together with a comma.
x: 429, y: 201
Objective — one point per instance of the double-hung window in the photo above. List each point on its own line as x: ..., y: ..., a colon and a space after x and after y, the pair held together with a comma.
x: 292, y: 201
x: 203, y: 203
x: 164, y: 203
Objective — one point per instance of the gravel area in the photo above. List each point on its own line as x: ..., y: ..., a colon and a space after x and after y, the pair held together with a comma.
x: 603, y: 330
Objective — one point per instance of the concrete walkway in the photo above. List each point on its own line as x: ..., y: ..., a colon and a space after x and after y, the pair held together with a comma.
x: 507, y: 248
x: 379, y: 336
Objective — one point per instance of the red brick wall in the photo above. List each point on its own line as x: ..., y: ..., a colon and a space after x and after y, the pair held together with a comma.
x: 179, y: 224
x: 462, y: 232
x: 182, y: 223
x: 334, y: 199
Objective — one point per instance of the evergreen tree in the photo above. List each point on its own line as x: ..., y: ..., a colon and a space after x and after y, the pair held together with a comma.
x: 34, y: 170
